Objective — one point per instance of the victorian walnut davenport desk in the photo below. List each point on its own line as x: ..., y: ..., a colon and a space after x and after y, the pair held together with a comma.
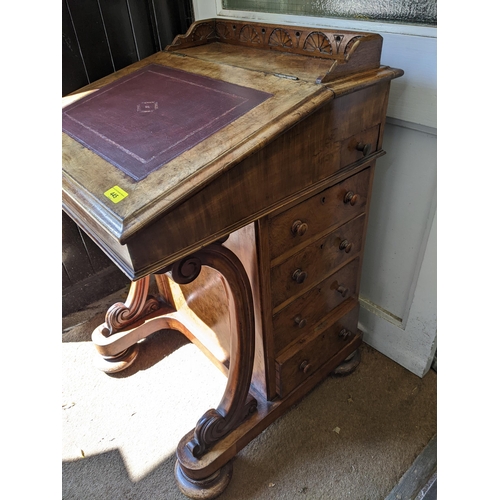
x: 235, y: 166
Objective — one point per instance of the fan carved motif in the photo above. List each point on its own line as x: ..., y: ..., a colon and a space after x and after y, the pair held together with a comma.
x: 317, y: 41
x: 248, y: 34
x: 280, y: 38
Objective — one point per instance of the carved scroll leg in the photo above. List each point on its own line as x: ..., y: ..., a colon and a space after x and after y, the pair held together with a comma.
x: 196, y: 476
x: 116, y: 357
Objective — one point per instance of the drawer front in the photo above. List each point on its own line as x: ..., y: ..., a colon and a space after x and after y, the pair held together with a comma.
x: 330, y: 208
x: 359, y: 146
x: 300, y: 317
x: 306, y: 358
x: 319, y: 259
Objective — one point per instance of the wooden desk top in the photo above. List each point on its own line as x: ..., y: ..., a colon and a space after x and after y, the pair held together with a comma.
x: 113, y: 205
x: 189, y: 171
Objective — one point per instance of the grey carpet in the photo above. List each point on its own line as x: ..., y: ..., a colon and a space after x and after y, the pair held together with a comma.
x: 351, y: 438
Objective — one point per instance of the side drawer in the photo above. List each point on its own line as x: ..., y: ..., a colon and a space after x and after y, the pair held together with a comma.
x: 300, y: 317
x: 319, y: 259
x: 330, y: 208
x: 307, y: 355
x: 358, y: 146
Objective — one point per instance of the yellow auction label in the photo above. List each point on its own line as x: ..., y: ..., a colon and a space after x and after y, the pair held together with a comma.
x: 116, y: 194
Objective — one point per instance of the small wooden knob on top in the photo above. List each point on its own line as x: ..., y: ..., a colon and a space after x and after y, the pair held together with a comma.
x: 345, y: 246
x: 305, y: 367
x: 366, y: 149
x: 351, y: 198
x: 299, y: 276
x: 345, y: 333
x: 300, y: 321
x: 299, y: 228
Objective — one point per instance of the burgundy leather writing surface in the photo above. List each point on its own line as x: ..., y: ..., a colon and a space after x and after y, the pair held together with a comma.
x: 145, y: 119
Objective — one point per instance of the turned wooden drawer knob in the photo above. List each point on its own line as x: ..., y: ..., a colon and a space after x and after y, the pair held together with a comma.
x: 299, y: 227
x: 299, y: 276
x: 343, y: 290
x: 364, y: 148
x: 345, y: 333
x: 305, y: 367
x: 345, y: 245
x: 299, y: 321
x: 351, y: 198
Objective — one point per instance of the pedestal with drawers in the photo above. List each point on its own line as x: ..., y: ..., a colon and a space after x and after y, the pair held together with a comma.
x: 304, y: 263
x: 314, y: 278
x: 254, y: 230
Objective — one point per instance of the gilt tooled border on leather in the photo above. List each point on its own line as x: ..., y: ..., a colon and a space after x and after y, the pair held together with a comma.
x: 145, y: 119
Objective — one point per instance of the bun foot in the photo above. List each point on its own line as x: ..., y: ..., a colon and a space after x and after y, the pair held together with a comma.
x: 115, y: 364
x: 348, y: 365
x: 208, y: 488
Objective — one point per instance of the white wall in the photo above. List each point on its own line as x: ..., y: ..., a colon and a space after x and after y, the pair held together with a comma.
x: 398, y: 286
